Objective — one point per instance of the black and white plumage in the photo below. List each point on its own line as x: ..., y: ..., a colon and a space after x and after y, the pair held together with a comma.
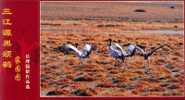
x: 116, y: 51
x: 81, y: 54
x: 84, y: 52
x: 150, y: 52
x: 146, y: 54
x: 132, y: 48
x: 65, y: 49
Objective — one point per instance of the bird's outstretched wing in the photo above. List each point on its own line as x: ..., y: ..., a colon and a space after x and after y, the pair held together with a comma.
x: 69, y: 46
x: 118, y: 47
x: 87, y: 47
x: 115, y: 52
x: 60, y: 48
x: 150, y: 52
x: 131, y: 50
x: 140, y: 49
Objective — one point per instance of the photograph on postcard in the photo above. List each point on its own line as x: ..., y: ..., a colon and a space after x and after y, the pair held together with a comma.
x: 106, y: 49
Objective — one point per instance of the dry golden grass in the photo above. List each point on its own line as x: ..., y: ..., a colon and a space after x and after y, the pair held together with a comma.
x: 100, y: 76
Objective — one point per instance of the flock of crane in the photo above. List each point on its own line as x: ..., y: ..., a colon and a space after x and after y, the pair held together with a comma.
x: 114, y: 49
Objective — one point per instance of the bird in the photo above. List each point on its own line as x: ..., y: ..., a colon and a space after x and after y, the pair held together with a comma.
x: 146, y: 54
x: 83, y: 53
x: 65, y: 49
x: 116, y: 51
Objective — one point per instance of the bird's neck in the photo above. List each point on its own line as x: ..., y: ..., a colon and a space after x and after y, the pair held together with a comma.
x: 146, y: 57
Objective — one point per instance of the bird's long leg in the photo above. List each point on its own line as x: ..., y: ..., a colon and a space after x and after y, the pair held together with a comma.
x: 149, y: 69
x: 116, y: 62
x: 146, y: 66
x: 65, y: 57
x: 81, y: 61
x: 123, y: 64
x: 120, y: 63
